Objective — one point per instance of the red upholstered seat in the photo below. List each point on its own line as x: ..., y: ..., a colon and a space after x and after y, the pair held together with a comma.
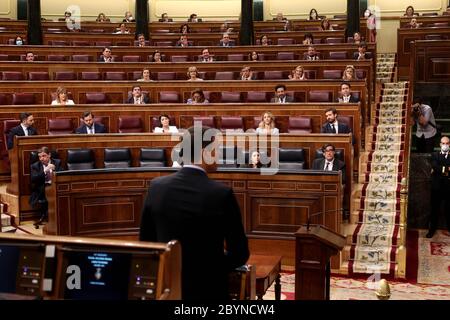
x: 91, y: 75
x: 299, y: 125
x: 136, y: 75
x: 103, y: 43
x: 230, y: 97
x: 256, y: 96
x: 65, y: 75
x: 60, y: 126
x: 285, y: 56
x: 7, y: 126
x: 440, y: 24
x: 96, y: 97
x: 166, y: 75
x: 130, y: 124
x: 224, y: 75
x: 131, y: 59
x: 179, y: 58
x: 164, y: 43
x: 433, y: 37
x: 232, y: 123
x: 169, y: 97
x: 429, y: 14
x: 81, y: 57
x: 12, y: 75
x: 80, y: 43
x: 334, y: 40
x: 338, y: 55
x: 22, y: 98
x: 98, y: 30
x: 115, y: 75
x: 235, y: 57
x: 347, y: 120
x: 332, y: 74
x: 285, y: 41
x: 319, y: 96
x: 58, y: 43
x: 273, y: 75
x: 361, y: 74
x: 3, y: 99
x: 38, y: 75
x: 56, y: 57
x: 206, y: 121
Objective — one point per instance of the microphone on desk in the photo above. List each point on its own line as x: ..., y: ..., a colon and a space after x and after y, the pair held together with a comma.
x: 308, y: 222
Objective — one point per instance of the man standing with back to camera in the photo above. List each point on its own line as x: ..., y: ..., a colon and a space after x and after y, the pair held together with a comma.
x: 203, y: 215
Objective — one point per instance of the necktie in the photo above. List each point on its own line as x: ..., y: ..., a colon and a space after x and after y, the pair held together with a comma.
x: 333, y: 128
x: 328, y: 166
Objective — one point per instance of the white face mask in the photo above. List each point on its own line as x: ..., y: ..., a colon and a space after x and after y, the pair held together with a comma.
x: 445, y: 148
x: 19, y: 42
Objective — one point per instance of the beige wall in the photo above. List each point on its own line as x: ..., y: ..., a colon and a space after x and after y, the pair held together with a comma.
x: 8, y: 9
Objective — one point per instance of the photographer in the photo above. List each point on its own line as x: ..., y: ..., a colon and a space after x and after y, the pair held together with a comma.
x: 426, y: 126
x: 440, y: 186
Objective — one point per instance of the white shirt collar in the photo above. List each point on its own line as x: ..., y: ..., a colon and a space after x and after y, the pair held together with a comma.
x: 326, y: 162
x: 193, y: 166
x: 25, y: 129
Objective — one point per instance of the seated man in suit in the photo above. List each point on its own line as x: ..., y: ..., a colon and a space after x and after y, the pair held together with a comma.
x: 25, y: 128
x: 137, y: 97
x: 41, y: 177
x: 205, y: 57
x: 346, y: 96
x: 362, y: 54
x: 329, y: 162
x: 89, y: 126
x: 280, y: 95
x: 106, y: 55
x: 226, y: 41
x: 312, y: 54
x: 203, y: 215
x: 333, y: 125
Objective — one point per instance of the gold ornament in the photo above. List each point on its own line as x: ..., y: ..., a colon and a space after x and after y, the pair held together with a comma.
x: 384, y: 290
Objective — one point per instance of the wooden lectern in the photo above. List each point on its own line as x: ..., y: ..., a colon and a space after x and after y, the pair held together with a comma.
x: 314, y: 247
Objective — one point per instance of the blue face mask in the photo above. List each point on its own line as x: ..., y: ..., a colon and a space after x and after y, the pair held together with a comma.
x: 19, y: 42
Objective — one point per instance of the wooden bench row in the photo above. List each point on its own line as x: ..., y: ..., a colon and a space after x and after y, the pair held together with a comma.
x: 406, y: 36
x: 182, y: 116
x: 105, y: 203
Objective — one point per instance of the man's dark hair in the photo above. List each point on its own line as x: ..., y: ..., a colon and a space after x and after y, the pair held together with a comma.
x: 106, y: 48
x: 136, y: 86
x: 325, y: 146
x: 280, y: 86
x: 362, y: 44
x: 140, y: 34
x: 417, y: 100
x: 44, y: 150
x: 24, y: 116
x: 332, y: 110
x: 87, y: 114
x: 190, y: 137
x: 346, y: 83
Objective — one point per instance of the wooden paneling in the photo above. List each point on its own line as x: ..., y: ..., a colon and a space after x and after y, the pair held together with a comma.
x: 404, y: 39
x: 269, y: 217
x: 20, y: 163
x: 431, y: 61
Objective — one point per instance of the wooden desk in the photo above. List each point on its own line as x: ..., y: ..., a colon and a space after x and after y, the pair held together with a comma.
x: 268, y: 270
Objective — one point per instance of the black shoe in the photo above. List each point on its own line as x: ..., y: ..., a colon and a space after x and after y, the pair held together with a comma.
x: 430, y: 233
x: 39, y: 222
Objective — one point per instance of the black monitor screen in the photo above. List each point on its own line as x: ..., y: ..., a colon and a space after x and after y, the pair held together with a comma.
x: 9, y: 261
x: 103, y: 275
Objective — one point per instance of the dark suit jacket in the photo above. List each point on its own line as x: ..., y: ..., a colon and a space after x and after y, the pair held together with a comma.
x: 288, y: 99
x: 367, y: 55
x: 352, y: 99
x: 439, y: 182
x: 131, y: 99
x: 201, y: 213
x: 98, y: 128
x: 101, y: 59
x: 229, y: 45
x: 38, y: 181
x: 338, y: 165
x: 18, y: 131
x: 342, y: 128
